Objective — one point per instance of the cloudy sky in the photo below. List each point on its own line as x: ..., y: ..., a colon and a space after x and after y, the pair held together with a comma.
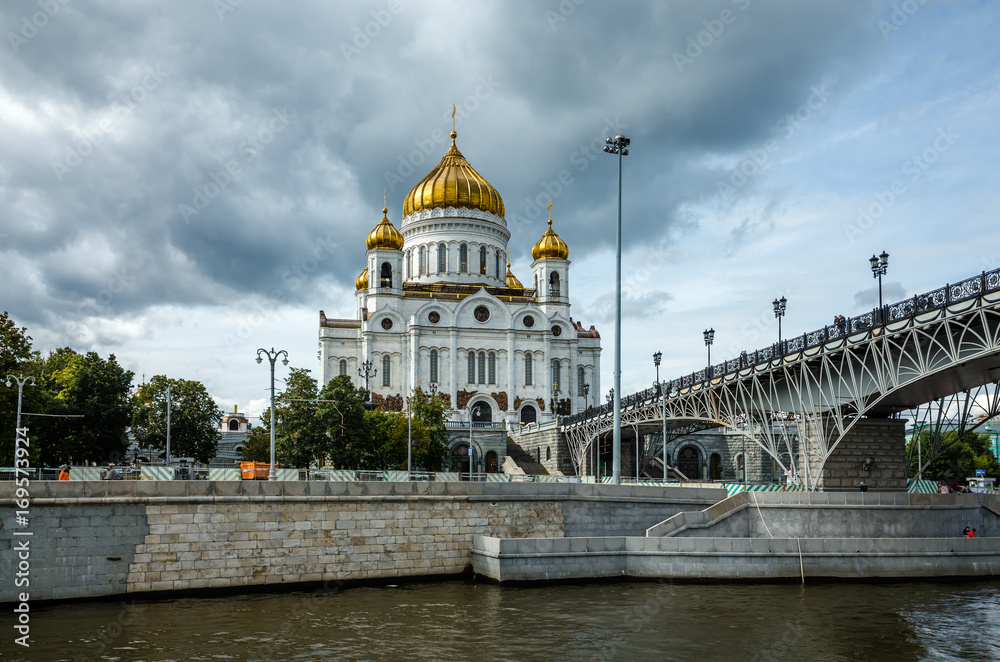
x: 184, y: 182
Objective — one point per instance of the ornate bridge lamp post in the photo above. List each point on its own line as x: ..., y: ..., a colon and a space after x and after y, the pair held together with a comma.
x: 709, y: 339
x: 367, y: 371
x: 661, y: 394
x: 272, y: 356
x: 779, y: 312
x: 880, y: 265
x: 619, y: 146
x: 21, y: 381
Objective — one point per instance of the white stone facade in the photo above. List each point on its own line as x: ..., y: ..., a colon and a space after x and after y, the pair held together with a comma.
x: 446, y: 298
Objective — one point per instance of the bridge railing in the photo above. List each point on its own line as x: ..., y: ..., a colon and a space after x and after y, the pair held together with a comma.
x: 843, y: 327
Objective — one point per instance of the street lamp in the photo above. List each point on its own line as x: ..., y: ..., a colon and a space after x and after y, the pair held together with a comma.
x: 586, y: 396
x: 709, y: 339
x: 610, y: 396
x: 21, y: 381
x: 880, y: 265
x: 779, y: 312
x: 553, y: 401
x: 618, y: 145
x: 659, y: 392
x: 368, y: 371
x: 272, y: 356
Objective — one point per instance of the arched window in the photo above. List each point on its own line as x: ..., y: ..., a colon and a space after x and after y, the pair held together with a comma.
x: 580, y: 378
x: 463, y: 258
x: 554, y: 284
x: 234, y: 425
x: 442, y: 258
x: 548, y: 453
x: 527, y: 368
x: 536, y: 283
x: 385, y: 277
x: 482, y: 259
x: 386, y: 370
x: 472, y: 367
x: 492, y: 368
x: 482, y: 367
x: 434, y: 366
x: 422, y: 261
x: 556, y: 375
x: 409, y: 264
x: 499, y: 275
x: 343, y: 367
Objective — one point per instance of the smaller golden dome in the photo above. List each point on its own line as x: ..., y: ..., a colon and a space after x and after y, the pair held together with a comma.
x: 361, y: 282
x: 550, y: 246
x: 512, y: 280
x: 385, y: 235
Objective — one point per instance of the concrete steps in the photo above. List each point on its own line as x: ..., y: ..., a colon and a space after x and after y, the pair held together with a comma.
x: 523, y: 459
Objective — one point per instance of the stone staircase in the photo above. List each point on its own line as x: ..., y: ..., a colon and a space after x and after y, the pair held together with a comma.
x: 523, y: 459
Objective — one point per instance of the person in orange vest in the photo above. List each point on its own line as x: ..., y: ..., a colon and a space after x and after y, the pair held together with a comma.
x: 64, y: 472
x: 971, y: 534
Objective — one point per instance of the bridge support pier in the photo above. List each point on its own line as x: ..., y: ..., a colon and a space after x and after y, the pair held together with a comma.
x: 873, y: 451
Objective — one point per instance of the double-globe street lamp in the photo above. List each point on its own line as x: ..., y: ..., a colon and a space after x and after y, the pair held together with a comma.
x: 272, y: 356
x: 661, y: 393
x: 367, y: 371
x: 21, y: 381
x: 880, y: 265
x: 618, y: 146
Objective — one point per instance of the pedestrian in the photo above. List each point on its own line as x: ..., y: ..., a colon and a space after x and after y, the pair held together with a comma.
x: 864, y: 488
x: 971, y: 534
x: 965, y: 533
x: 64, y: 472
x: 110, y: 473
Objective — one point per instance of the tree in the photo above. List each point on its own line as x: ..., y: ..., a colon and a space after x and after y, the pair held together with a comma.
x: 257, y: 447
x: 194, y: 418
x: 433, y: 412
x: 960, y: 457
x: 300, y: 439
x: 341, y: 413
x: 15, y: 359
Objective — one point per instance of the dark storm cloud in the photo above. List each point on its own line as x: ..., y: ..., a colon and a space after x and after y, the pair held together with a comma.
x: 175, y: 153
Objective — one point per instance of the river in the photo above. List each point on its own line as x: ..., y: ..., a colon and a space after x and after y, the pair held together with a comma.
x: 458, y: 620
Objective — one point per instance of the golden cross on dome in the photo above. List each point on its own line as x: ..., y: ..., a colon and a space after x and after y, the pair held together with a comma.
x: 550, y: 212
x: 453, y: 107
x: 385, y: 196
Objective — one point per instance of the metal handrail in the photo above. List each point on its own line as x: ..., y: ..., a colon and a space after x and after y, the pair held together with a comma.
x: 867, y: 323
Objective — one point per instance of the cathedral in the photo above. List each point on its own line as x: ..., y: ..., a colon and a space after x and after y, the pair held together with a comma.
x: 439, y: 308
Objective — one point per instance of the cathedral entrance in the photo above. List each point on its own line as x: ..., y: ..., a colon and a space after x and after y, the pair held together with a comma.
x: 491, y: 462
x: 528, y: 414
x: 689, y: 463
x: 482, y: 413
x: 460, y: 458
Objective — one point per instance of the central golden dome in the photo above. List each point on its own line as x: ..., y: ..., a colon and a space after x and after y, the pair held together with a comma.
x: 453, y: 183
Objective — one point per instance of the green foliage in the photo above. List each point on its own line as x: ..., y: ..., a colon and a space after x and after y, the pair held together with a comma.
x: 257, y: 447
x: 300, y: 440
x: 432, y: 412
x: 959, y: 459
x: 341, y: 414
x: 15, y: 359
x: 194, y: 418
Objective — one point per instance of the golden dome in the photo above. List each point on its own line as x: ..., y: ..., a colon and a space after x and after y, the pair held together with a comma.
x: 361, y: 282
x: 453, y: 183
x: 550, y: 246
x: 512, y: 280
x: 385, y: 234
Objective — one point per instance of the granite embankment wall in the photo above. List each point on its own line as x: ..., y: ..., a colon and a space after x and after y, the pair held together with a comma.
x: 93, y: 539
x: 770, y: 536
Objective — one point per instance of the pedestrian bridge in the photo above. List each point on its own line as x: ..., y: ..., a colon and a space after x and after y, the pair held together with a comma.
x: 820, y: 384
